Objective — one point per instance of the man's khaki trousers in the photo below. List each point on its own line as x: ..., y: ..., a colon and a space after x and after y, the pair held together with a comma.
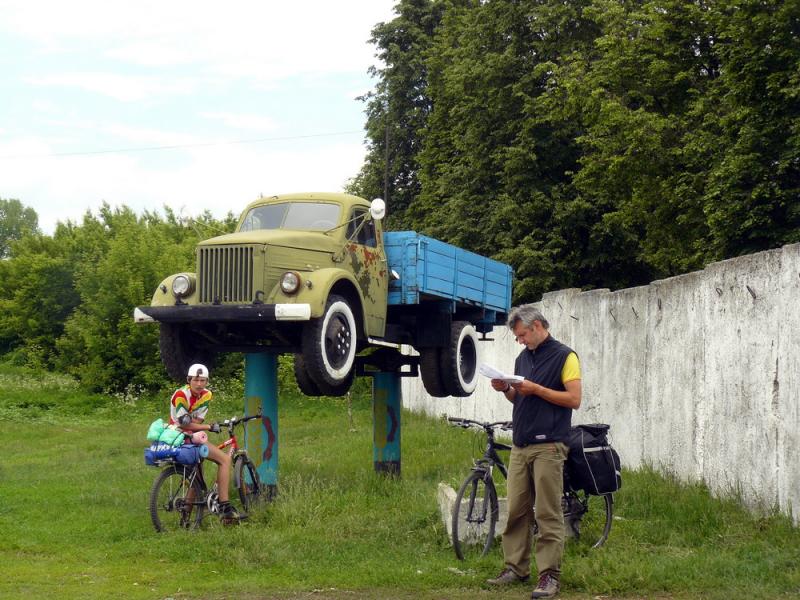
x: 535, y: 478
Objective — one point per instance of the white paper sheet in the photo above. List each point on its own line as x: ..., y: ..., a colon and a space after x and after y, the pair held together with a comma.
x: 492, y: 373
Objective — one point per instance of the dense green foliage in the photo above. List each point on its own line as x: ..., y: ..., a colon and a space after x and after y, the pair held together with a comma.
x: 66, y: 300
x: 591, y: 143
x: 75, y: 518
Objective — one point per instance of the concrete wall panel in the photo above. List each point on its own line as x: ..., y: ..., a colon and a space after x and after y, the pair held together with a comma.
x: 786, y: 386
x: 741, y: 345
x: 675, y: 415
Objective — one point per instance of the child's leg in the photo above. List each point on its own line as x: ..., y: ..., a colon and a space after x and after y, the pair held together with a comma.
x: 222, y: 459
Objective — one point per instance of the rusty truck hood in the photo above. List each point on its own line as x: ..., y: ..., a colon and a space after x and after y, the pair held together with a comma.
x: 288, y: 238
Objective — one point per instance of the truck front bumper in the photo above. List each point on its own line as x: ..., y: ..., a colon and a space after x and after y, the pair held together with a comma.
x: 232, y: 313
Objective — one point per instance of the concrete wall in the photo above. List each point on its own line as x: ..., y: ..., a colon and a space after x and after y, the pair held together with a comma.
x: 698, y: 375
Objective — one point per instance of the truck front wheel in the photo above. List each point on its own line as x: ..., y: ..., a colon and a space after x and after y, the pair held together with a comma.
x: 329, y: 345
x: 179, y: 350
x: 459, y: 361
x: 311, y: 388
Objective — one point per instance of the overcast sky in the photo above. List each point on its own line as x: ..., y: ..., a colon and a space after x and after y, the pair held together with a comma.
x: 248, y: 97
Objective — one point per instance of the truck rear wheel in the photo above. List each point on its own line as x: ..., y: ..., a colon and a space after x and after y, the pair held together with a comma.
x: 179, y: 350
x: 459, y: 360
x: 430, y: 371
x: 310, y: 387
x: 329, y: 345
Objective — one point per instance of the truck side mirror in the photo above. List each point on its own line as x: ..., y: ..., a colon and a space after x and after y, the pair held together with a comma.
x: 377, y: 209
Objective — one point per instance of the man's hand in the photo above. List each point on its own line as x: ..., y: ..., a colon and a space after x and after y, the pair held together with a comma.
x: 499, y: 385
x: 214, y: 428
x: 527, y: 388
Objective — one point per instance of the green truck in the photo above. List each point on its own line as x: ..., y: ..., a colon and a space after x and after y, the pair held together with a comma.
x: 316, y: 276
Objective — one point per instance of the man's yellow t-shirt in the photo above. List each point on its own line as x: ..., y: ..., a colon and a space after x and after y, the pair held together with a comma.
x: 572, y: 368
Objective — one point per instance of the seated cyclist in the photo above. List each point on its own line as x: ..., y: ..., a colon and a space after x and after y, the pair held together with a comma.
x: 188, y: 409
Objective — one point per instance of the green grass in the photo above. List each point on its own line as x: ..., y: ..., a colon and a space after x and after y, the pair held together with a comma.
x: 73, y: 512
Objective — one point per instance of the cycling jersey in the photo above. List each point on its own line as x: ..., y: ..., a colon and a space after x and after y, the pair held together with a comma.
x: 184, y: 402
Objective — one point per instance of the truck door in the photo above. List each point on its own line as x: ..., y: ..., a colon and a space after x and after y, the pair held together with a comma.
x: 369, y: 268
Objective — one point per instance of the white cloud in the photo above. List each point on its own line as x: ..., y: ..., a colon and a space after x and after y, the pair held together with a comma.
x: 262, y: 41
x: 46, y: 106
x: 242, y: 121
x: 146, y: 136
x: 126, y: 88
x: 23, y: 147
x: 151, y: 53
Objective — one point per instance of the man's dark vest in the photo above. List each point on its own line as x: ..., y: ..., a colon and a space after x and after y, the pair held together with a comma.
x: 535, y: 420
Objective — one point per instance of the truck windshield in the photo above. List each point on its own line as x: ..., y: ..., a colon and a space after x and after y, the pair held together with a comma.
x: 315, y: 216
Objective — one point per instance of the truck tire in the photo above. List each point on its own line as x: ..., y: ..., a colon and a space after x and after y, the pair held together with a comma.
x: 310, y: 388
x: 179, y: 351
x: 329, y: 345
x: 430, y: 371
x: 459, y: 360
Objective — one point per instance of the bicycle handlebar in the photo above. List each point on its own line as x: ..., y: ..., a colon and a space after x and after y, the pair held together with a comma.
x: 234, y: 421
x: 466, y: 423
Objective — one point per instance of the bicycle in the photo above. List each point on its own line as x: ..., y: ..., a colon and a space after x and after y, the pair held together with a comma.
x: 180, y: 490
x: 476, y: 508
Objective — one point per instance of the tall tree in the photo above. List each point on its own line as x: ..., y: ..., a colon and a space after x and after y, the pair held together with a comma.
x: 634, y: 93
x: 494, y: 165
x: 751, y: 128
x: 37, y: 294
x: 16, y: 221
x: 398, y: 108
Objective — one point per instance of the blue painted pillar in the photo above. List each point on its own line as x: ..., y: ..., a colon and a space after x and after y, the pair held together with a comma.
x: 386, y: 405
x: 261, y: 392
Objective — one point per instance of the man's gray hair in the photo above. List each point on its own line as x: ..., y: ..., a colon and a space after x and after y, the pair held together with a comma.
x: 527, y: 313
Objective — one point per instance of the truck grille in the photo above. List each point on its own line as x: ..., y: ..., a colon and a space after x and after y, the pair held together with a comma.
x: 225, y: 274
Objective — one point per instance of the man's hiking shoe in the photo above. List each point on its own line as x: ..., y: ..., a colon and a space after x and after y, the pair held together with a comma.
x: 506, y: 577
x: 548, y: 587
x: 231, y: 516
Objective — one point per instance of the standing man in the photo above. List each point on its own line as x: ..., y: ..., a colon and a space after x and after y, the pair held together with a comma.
x: 542, y: 416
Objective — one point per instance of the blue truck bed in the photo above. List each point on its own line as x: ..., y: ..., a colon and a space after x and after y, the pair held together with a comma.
x: 430, y: 269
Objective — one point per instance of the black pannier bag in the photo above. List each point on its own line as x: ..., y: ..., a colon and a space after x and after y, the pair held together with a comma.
x: 592, y: 465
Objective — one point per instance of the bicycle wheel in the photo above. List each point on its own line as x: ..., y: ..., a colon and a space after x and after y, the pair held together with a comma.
x: 587, y: 519
x: 246, y: 481
x: 176, y: 499
x: 475, y: 516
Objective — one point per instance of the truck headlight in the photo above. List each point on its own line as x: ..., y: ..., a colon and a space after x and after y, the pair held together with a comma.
x: 182, y: 286
x: 290, y: 282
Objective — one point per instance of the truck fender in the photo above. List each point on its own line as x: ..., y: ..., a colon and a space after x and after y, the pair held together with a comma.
x: 322, y: 283
x: 162, y: 296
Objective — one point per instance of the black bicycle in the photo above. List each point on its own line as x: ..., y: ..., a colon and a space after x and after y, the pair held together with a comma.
x: 180, y: 498
x: 477, y: 509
